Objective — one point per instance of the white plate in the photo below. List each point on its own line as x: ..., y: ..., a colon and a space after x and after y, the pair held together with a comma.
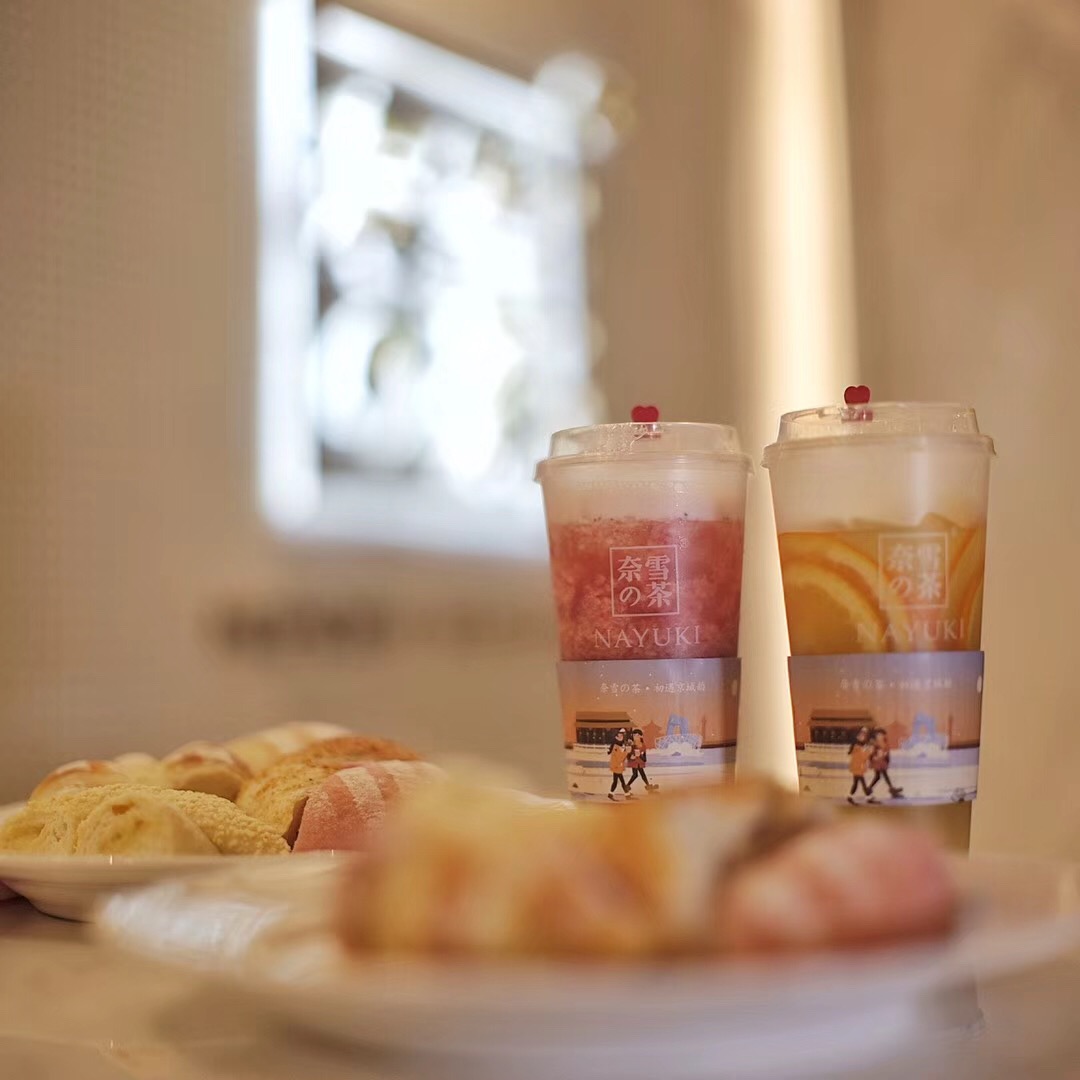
x: 266, y: 931
x: 70, y: 886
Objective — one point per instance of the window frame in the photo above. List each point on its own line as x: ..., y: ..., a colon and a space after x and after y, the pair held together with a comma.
x: 297, y: 499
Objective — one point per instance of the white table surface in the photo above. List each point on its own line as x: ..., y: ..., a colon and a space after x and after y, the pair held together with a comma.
x: 72, y: 1009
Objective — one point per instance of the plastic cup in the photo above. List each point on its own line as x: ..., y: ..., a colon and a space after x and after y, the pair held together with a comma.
x: 645, y: 528
x: 881, y: 523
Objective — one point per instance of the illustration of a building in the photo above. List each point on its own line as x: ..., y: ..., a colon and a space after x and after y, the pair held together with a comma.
x: 837, y: 727
x: 679, y: 739
x: 925, y: 736
x: 598, y: 728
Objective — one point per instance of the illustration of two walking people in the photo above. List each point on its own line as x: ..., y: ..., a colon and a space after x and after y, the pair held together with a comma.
x: 870, y: 750
x: 628, y: 749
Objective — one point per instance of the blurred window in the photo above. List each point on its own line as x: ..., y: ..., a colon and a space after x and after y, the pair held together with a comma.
x: 443, y: 218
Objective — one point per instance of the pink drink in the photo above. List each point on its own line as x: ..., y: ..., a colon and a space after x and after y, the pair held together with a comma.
x: 680, y: 582
x: 645, y: 527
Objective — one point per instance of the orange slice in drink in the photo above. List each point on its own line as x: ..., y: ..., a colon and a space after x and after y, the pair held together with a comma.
x: 937, y: 523
x: 971, y: 612
x: 878, y: 619
x: 828, y: 550
x: 960, y: 541
x: 827, y: 614
x: 966, y: 571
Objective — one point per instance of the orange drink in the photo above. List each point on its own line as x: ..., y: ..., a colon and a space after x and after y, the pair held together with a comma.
x: 884, y: 588
x: 881, y: 524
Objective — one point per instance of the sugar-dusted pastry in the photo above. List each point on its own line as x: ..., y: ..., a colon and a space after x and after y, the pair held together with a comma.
x: 75, y: 775
x: 261, y: 749
x: 345, y: 812
x: 465, y: 869
x: 205, y: 766
x: 52, y: 825
x: 229, y: 829
x: 139, y: 823
x: 48, y: 826
x: 279, y: 795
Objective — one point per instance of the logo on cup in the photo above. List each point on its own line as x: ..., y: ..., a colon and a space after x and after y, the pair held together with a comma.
x: 913, y: 569
x: 644, y: 580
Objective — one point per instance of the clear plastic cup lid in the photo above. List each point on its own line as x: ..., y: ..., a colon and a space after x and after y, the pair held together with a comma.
x: 916, y: 421
x: 652, y: 443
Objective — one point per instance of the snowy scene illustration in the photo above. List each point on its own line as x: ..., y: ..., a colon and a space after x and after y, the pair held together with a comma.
x: 636, y: 727
x: 899, y: 728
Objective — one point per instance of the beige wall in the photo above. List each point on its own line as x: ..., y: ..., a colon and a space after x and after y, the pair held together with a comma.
x: 128, y: 530
x: 966, y: 161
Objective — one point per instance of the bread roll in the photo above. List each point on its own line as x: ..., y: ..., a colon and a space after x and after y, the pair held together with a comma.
x: 279, y: 794
x: 140, y: 768
x: 48, y: 826
x: 76, y: 775
x: 262, y: 748
x: 138, y: 823
x: 207, y: 767
x: 26, y: 832
x: 346, y: 811
x: 351, y: 749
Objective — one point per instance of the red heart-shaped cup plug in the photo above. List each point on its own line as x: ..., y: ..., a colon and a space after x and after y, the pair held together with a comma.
x: 857, y: 395
x: 645, y: 414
